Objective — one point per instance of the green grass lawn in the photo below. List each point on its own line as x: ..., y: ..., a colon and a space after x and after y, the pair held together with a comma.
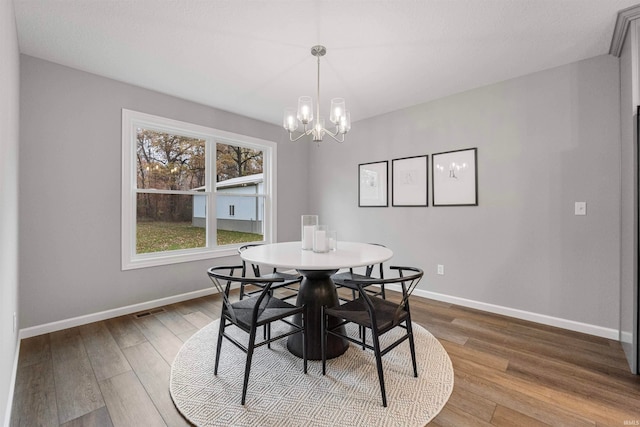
x: 170, y: 236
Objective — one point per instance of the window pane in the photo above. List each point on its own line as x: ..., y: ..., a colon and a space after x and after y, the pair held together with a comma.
x: 240, y: 219
x: 233, y: 162
x: 169, y: 162
x: 168, y: 222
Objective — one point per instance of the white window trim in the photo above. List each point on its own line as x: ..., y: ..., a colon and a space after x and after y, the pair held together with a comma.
x: 133, y: 119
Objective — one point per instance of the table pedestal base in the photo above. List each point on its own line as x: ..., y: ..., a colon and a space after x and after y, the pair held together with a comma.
x: 317, y: 289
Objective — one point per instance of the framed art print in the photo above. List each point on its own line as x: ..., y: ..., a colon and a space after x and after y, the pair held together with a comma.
x: 372, y: 184
x: 454, y: 177
x: 409, y: 181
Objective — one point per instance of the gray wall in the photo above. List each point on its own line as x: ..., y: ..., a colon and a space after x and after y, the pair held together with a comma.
x: 70, y: 157
x: 9, y: 107
x: 629, y: 201
x: 544, y: 141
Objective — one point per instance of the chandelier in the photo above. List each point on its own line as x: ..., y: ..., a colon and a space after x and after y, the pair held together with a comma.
x: 338, y: 115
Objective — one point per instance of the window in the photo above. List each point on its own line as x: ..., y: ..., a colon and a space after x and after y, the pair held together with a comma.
x: 190, y: 192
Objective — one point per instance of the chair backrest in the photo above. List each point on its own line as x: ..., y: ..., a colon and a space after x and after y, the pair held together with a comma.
x: 408, y: 277
x: 220, y: 274
x: 224, y: 274
x: 369, y: 268
x: 254, y: 267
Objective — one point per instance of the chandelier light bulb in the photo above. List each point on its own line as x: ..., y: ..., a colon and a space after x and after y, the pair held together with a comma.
x: 337, y: 110
x: 290, y: 122
x: 318, y: 129
x: 305, y: 109
x: 345, y: 123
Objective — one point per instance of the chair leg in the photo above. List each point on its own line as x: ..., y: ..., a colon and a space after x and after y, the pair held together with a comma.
x: 219, y: 345
x: 376, y: 345
x: 384, y: 296
x: 241, y: 290
x: 304, y: 339
x: 412, y: 347
x: 323, y: 339
x: 267, y: 334
x: 247, y: 368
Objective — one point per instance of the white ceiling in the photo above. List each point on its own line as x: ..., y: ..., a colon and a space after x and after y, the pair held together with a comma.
x: 253, y: 57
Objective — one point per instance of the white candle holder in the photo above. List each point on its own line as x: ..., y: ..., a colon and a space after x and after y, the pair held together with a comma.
x: 309, y: 223
x: 332, y: 237
x: 321, y: 239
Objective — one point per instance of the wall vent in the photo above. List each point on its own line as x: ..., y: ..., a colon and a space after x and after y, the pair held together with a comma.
x: 149, y: 312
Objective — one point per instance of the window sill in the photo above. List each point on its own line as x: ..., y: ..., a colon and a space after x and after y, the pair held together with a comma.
x: 155, y: 260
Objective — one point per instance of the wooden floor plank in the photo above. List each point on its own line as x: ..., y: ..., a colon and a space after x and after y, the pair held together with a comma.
x: 160, y: 337
x: 598, y: 373
x: 175, y: 322
x: 124, y: 331
x: 154, y: 373
x: 571, y: 380
x: 443, y: 330
x: 198, y: 319
x: 98, y: 418
x: 472, y: 404
x: 37, y: 405
x: 468, y: 378
x: 593, y: 410
x: 488, y: 360
x: 34, y: 350
x: 208, y: 307
x: 106, y: 357
x: 128, y: 403
x: 512, y: 339
x: 454, y: 416
x: 77, y: 390
x: 508, y: 417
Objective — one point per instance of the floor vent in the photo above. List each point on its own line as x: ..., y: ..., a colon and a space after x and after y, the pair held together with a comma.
x: 149, y: 313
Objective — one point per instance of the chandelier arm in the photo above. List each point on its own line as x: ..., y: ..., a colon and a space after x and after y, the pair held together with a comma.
x: 292, y: 139
x: 333, y: 135
x: 305, y: 132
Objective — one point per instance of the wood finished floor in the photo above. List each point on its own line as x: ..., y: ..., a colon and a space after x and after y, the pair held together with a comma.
x: 508, y: 372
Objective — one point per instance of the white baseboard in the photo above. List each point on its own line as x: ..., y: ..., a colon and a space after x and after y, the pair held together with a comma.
x: 571, y: 325
x: 626, y: 337
x: 12, y: 387
x: 109, y: 314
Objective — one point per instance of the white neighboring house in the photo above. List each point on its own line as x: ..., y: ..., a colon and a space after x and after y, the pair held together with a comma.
x: 235, y: 212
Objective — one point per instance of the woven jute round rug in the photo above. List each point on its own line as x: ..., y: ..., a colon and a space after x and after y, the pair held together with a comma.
x: 280, y: 394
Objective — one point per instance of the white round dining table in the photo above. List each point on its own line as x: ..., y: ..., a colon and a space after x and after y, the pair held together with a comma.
x: 291, y: 255
x: 316, y: 289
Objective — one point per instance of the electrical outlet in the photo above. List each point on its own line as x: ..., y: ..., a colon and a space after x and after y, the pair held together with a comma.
x: 580, y: 208
x: 441, y: 269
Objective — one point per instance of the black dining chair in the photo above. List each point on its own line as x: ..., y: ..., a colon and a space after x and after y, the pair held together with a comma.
x: 290, y: 282
x: 377, y: 314
x: 250, y: 313
x: 340, y: 278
